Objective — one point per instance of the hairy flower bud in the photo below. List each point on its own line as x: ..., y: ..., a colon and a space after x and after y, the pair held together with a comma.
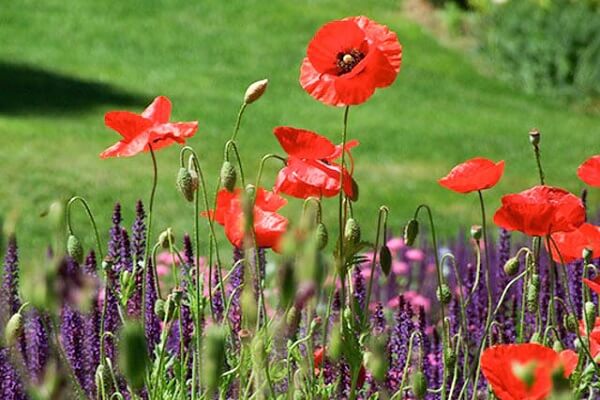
x: 450, y: 358
x: 255, y: 91
x: 587, y: 254
x: 536, y: 338
x: 411, y: 231
x: 511, y: 267
x: 352, y: 231
x: 159, y: 309
x: 14, y: 329
x: 385, y: 259
x: 75, y: 249
x: 185, y: 184
x: 166, y: 238
x: 228, y: 176
x: 444, y: 294
x: 133, y: 354
x: 570, y: 323
x: 322, y: 236
x: 476, y: 232
x: 419, y: 385
x: 557, y: 346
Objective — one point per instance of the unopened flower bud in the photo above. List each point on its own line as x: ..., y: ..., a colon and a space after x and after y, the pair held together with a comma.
x: 185, y: 184
x: 525, y: 372
x: 534, y: 137
x: 557, y: 346
x: 511, y: 267
x: 245, y: 335
x: 322, y: 236
x: 590, y: 313
x: 476, y: 232
x: 385, y: 259
x: 75, y: 249
x: 536, y: 338
x: 450, y: 358
x: 444, y: 294
x: 419, y: 385
x: 352, y: 231
x: 411, y: 231
x: 315, y: 323
x: 107, y: 263
x: 228, y: 176
x: 159, y: 309
x: 14, y: 329
x: 166, y: 238
x: 255, y: 91
x: 587, y: 254
x: 570, y: 322
x: 133, y: 354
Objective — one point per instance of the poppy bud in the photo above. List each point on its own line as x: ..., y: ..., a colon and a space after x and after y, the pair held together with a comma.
x: 587, y: 255
x: 444, y: 294
x: 255, y: 91
x: 534, y: 137
x: 74, y: 248
x: 525, y: 373
x: 476, y: 232
x: 133, y: 354
x: 166, y: 238
x: 315, y: 323
x: 590, y: 313
x: 570, y: 322
x: 322, y: 236
x: 228, y: 176
x: 557, y: 346
x: 419, y: 385
x: 411, y: 230
x: 185, y: 184
x: 214, y: 357
x: 244, y: 335
x: 385, y: 259
x: 170, y: 307
x: 511, y: 267
x: 376, y: 361
x: 14, y: 329
x: 533, y: 290
x: 536, y: 338
x: 159, y: 309
x: 352, y: 231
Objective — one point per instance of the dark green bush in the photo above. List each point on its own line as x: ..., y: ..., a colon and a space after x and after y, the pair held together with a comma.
x: 552, y: 45
x: 442, y: 3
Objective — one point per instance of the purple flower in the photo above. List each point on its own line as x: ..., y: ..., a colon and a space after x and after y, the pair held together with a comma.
x: 91, y: 340
x: 37, y: 345
x: 378, y: 320
x: 398, y: 344
x: 10, y: 384
x: 358, y: 283
x: 152, y: 322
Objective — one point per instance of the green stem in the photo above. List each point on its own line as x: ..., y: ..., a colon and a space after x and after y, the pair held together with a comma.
x: 91, y: 218
x: 341, y: 221
x: 383, y: 214
x: 149, y: 230
x: 238, y: 122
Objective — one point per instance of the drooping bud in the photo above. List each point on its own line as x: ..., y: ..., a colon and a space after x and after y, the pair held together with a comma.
x: 476, y: 232
x: 166, y: 238
x: 587, y: 254
x: 557, y: 346
x: 352, y: 231
x: 133, y: 354
x: 525, y: 372
x: 590, y: 313
x: 255, y: 91
x: 570, y: 322
x: 411, y: 231
x: 511, y: 267
x: 536, y: 338
x: 14, y: 329
x: 75, y: 249
x: 534, y: 137
x: 228, y: 176
x: 385, y: 259
x: 533, y: 291
x: 322, y: 236
x: 159, y: 309
x: 444, y: 294
x: 214, y: 357
x: 185, y: 184
x: 419, y: 385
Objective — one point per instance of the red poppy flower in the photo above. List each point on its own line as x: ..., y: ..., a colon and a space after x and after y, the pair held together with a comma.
x: 151, y: 128
x: 540, y: 211
x: 472, y: 175
x: 593, y: 284
x: 500, y: 365
x: 268, y: 225
x: 571, y: 244
x: 348, y: 59
x: 319, y: 357
x: 594, y: 337
x: 589, y: 171
x: 310, y: 169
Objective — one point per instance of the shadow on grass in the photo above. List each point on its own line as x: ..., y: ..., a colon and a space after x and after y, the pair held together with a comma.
x: 26, y: 89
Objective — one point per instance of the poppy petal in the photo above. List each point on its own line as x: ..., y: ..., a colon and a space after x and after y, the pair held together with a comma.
x: 159, y: 111
x: 331, y: 39
x: 126, y: 123
x: 589, y: 171
x: 302, y: 143
x: 473, y: 175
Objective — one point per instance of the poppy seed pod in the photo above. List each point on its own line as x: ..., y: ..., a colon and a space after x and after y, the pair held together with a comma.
x: 75, y: 249
x: 322, y: 236
x: 411, y: 231
x: 14, y: 329
x: 444, y: 294
x: 133, y: 354
x: 534, y: 137
x: 185, y: 184
x: 352, y: 231
x: 228, y: 176
x: 419, y: 385
x: 476, y: 232
x: 255, y: 91
x: 385, y: 259
x: 511, y: 267
x: 166, y: 238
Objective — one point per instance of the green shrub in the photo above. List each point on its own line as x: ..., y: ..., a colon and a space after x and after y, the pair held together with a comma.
x: 546, y: 45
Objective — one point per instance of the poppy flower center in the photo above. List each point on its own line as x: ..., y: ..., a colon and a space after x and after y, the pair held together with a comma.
x: 346, y: 61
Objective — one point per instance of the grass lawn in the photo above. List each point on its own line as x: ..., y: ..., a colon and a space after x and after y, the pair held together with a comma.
x: 63, y: 64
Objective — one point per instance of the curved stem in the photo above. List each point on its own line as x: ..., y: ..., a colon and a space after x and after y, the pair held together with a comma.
x: 383, y: 215
x: 149, y: 228
x: 232, y: 145
x: 90, y: 216
x: 238, y: 122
